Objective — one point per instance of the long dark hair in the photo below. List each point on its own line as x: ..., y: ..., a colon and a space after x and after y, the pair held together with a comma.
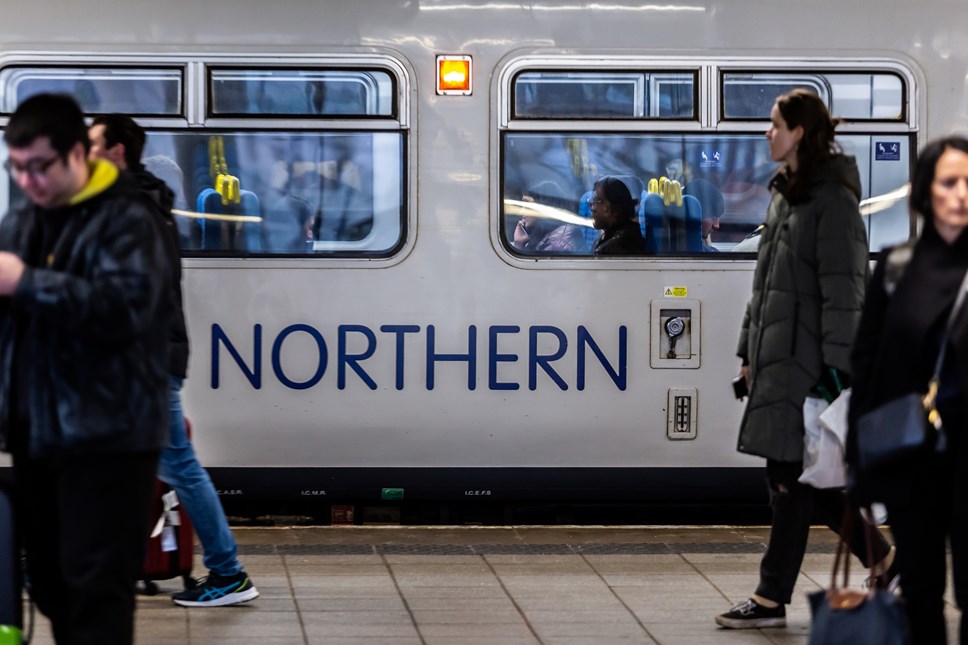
x: 920, y: 199
x: 805, y: 109
x: 619, y: 196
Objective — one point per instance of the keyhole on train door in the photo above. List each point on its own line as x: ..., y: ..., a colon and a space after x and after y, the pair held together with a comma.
x: 673, y: 328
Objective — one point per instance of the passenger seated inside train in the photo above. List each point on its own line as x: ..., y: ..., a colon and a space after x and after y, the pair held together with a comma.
x: 166, y: 169
x: 287, y: 219
x: 712, y: 206
x: 344, y: 209
x: 539, y: 231
x: 614, y: 214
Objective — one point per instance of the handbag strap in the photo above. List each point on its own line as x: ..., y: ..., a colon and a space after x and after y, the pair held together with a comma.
x: 932, y: 393
x: 843, y: 546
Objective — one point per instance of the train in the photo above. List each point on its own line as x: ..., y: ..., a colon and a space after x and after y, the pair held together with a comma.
x: 366, y: 327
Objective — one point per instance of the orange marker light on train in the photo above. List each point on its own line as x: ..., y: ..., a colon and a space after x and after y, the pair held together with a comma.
x: 454, y: 75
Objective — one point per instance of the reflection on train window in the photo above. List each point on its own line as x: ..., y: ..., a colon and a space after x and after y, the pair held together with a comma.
x: 605, y: 95
x: 98, y: 90
x: 283, y: 193
x: 855, y: 97
x: 699, y: 194
x: 301, y: 92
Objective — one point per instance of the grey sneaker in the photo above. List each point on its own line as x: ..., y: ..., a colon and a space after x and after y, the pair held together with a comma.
x: 216, y: 591
x: 750, y: 615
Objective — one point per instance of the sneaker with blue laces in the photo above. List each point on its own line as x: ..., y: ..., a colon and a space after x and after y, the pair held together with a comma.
x: 218, y: 591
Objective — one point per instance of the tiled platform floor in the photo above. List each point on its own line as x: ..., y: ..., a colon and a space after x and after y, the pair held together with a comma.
x: 516, y: 585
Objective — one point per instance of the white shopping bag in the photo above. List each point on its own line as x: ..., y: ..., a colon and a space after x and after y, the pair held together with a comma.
x: 825, y: 433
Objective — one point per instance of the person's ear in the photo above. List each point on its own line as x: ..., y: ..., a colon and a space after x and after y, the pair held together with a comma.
x: 116, y: 155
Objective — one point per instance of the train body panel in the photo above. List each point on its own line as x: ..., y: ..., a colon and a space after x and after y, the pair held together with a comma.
x: 412, y: 335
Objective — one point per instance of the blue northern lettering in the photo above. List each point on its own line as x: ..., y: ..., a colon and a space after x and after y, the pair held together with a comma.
x: 498, y: 337
x: 494, y: 358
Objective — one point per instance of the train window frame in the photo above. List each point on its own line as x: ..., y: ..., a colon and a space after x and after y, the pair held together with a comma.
x: 194, y: 119
x: 820, y: 79
x: 349, y: 72
x: 710, y: 121
x: 33, y: 71
x: 645, y: 101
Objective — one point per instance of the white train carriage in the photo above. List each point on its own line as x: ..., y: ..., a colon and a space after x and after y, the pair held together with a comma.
x: 349, y: 177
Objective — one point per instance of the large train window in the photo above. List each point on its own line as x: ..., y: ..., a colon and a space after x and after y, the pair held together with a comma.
x: 288, y: 92
x: 98, y: 90
x: 853, y: 96
x: 632, y: 94
x: 697, y: 193
x: 698, y: 168
x: 300, y: 162
x: 291, y: 193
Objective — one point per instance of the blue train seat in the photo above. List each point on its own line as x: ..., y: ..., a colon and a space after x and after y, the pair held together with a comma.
x: 220, y: 236
x: 693, y: 223
x: 585, y: 210
x: 653, y: 214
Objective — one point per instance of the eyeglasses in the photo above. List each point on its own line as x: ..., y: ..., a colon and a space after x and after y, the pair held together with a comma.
x: 35, y: 168
x: 596, y: 202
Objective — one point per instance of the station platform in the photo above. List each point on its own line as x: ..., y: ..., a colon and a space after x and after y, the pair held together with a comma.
x: 490, y: 585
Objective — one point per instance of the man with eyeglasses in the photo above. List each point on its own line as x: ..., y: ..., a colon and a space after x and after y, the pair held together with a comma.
x: 83, y: 370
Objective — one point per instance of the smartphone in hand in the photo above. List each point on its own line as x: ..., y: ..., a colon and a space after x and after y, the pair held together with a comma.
x: 739, y: 388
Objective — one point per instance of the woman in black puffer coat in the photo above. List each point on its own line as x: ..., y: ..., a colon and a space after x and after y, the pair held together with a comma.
x: 808, y: 289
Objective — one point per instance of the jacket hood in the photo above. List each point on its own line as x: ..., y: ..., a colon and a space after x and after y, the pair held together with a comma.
x: 155, y: 188
x: 841, y: 169
x: 102, y: 175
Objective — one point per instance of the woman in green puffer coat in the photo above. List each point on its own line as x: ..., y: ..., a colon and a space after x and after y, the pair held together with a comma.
x: 808, y: 289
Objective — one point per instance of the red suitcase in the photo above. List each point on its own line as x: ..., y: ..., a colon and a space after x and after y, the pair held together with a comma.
x: 170, y: 550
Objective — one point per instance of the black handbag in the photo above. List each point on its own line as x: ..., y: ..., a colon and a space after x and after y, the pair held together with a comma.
x: 908, y: 424
x: 842, y: 616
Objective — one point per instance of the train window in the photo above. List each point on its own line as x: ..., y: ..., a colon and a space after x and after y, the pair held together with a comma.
x: 283, y: 193
x: 300, y: 92
x: 697, y: 193
x: 604, y: 95
x: 851, y: 96
x: 98, y: 90
x: 701, y: 182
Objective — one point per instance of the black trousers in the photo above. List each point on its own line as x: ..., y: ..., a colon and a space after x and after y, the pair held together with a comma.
x: 795, y: 506
x: 937, y: 512
x: 84, y: 525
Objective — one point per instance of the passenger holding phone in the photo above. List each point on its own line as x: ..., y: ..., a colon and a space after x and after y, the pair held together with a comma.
x: 795, y: 340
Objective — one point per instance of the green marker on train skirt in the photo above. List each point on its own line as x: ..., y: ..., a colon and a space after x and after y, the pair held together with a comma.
x: 10, y: 635
x: 391, y: 493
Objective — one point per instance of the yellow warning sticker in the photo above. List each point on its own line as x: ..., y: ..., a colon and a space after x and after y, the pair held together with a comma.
x: 676, y: 292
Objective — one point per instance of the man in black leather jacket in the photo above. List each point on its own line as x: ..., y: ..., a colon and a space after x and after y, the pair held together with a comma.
x: 84, y: 319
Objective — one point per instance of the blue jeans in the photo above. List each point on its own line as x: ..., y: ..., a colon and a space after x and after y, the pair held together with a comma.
x: 179, y: 468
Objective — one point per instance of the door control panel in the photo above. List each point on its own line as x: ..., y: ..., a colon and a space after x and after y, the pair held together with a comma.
x: 674, y: 334
x: 681, y: 422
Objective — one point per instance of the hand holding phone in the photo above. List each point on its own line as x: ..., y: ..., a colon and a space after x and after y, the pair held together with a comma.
x: 739, y: 387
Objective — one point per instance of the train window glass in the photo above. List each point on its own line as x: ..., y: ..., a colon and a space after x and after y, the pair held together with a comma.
x: 280, y: 193
x: 852, y: 96
x: 697, y: 193
x: 884, y: 162
x: 98, y: 90
x: 293, y: 92
x: 713, y: 199
x: 604, y: 95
